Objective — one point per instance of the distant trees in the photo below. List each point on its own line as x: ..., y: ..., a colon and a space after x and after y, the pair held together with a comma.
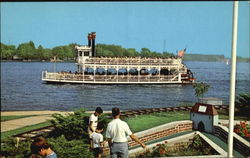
x: 7, y: 51
x: 28, y: 51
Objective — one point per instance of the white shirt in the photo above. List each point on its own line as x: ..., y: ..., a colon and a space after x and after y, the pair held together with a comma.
x: 94, y: 120
x: 97, y: 139
x: 118, y: 130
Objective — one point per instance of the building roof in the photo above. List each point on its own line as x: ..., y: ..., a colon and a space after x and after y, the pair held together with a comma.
x: 204, y: 109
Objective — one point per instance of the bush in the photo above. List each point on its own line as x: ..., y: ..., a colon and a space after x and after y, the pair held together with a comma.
x: 243, y: 104
x: 69, y: 149
x: 12, y: 148
x: 73, y: 126
x: 69, y: 139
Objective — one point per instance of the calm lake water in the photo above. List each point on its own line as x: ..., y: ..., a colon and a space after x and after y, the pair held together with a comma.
x: 23, y: 89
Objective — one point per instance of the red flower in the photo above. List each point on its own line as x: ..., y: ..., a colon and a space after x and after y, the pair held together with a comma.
x: 162, y: 151
x: 158, y: 144
x: 245, y: 131
x: 236, y: 130
x: 243, y: 124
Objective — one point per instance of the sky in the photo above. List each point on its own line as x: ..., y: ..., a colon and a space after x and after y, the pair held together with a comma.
x: 201, y: 27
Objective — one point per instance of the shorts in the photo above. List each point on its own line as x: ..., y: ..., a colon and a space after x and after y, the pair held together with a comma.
x: 97, y: 151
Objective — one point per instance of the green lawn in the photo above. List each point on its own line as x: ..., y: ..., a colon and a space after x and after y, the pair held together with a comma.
x: 143, y: 122
x: 7, y: 118
x: 24, y: 129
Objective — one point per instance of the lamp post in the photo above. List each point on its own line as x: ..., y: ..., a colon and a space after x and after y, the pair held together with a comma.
x: 232, y: 79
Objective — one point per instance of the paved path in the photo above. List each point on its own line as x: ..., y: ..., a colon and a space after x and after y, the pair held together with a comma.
x: 42, y: 116
x: 22, y: 122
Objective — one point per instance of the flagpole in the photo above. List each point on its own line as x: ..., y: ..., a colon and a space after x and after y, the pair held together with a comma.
x: 232, y: 79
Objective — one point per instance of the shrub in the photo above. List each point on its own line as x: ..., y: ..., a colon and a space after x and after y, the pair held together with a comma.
x: 243, y: 104
x: 70, y: 149
x: 12, y: 148
x: 73, y: 126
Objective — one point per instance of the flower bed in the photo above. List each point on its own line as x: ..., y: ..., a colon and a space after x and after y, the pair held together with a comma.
x: 243, y: 130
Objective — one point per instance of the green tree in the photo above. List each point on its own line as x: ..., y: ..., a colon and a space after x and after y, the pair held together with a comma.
x: 39, y: 52
x: 7, y: 51
x: 145, y: 52
x: 26, y: 50
x: 58, y: 52
x: 200, y: 89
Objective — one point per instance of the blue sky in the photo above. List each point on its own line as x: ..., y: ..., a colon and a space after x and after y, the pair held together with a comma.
x: 202, y: 27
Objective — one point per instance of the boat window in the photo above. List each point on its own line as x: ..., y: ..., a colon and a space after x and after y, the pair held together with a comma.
x: 80, y: 53
x: 86, y: 53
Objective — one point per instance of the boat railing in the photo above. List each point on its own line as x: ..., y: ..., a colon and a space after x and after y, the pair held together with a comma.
x: 55, y: 76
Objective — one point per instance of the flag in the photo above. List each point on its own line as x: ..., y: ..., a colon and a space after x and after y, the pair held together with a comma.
x: 181, y: 53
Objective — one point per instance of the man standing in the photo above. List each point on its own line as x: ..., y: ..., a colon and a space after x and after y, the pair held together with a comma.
x: 117, y: 132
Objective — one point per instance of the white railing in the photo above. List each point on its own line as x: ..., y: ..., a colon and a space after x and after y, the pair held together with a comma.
x: 55, y: 76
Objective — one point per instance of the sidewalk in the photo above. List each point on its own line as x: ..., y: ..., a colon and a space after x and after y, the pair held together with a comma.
x: 42, y: 116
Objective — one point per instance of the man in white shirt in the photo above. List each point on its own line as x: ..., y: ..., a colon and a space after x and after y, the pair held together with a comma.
x: 117, y: 132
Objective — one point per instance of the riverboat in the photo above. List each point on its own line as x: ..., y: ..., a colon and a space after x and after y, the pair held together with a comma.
x: 92, y: 69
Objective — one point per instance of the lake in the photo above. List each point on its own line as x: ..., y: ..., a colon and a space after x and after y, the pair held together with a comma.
x: 23, y: 89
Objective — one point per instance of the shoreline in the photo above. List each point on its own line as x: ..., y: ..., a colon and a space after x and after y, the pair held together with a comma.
x: 42, y: 112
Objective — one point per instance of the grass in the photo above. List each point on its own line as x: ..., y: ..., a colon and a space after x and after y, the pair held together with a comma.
x: 143, y: 122
x: 13, y: 117
x: 24, y: 129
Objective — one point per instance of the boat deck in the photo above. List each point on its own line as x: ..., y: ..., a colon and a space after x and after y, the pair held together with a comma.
x: 112, y: 79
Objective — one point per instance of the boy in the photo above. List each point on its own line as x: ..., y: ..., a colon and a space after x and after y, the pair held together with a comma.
x: 93, y: 120
x: 40, y: 146
x: 97, y: 141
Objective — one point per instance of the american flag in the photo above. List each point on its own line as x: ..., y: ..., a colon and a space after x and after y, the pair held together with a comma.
x: 181, y: 53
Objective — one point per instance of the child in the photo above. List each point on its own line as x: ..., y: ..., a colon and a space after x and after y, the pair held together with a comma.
x: 93, y: 121
x: 97, y: 141
x: 41, y: 147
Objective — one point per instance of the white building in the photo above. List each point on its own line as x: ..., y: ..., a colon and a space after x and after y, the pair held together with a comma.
x: 204, y: 117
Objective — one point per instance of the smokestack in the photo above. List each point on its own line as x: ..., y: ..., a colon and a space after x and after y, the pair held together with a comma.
x: 89, y: 39
x: 93, y: 44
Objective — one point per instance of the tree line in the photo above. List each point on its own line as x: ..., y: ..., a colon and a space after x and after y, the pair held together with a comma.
x: 28, y: 51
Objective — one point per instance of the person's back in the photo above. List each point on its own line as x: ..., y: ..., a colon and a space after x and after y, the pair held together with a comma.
x: 117, y: 132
